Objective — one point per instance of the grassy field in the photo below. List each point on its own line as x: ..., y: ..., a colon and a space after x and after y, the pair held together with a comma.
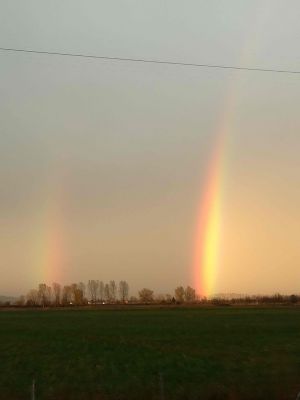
x: 176, y: 353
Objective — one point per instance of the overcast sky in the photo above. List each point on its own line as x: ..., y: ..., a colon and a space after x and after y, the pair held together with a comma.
x: 103, y: 163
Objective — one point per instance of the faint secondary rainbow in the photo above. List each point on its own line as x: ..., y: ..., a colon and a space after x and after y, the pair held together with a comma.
x: 49, y: 245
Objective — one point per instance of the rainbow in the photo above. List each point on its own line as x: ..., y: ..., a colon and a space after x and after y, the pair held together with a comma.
x: 53, y: 259
x: 208, y: 231
x: 208, y: 243
x: 49, y: 244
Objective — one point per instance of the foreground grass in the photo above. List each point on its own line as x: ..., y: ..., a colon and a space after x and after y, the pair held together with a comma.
x: 216, y: 353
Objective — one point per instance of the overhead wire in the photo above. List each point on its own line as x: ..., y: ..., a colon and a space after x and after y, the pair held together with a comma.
x: 149, y: 61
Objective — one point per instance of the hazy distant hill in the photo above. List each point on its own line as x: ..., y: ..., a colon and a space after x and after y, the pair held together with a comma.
x: 4, y: 299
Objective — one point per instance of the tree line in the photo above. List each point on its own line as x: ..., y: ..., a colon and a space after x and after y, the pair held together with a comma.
x: 98, y: 292
x: 79, y: 294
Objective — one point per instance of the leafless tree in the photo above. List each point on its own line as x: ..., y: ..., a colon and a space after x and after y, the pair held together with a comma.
x: 101, y: 290
x: 44, y: 293
x: 93, y: 287
x: 123, y: 291
x: 77, y: 295
x: 146, y: 295
x: 66, y: 295
x: 56, y: 289
x: 179, y: 294
x: 49, y: 295
x: 106, y: 292
x: 112, y: 291
x: 82, y: 287
x: 189, y: 294
x: 33, y: 297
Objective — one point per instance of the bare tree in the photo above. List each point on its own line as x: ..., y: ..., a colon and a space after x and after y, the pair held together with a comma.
x: 189, y: 294
x: 82, y: 287
x: 106, y: 292
x: 180, y: 294
x: 112, y: 291
x: 56, y: 289
x: 66, y: 295
x: 44, y: 293
x: 123, y: 291
x: 77, y: 295
x: 101, y: 290
x: 32, y: 297
x: 49, y: 295
x: 146, y: 295
x: 93, y: 290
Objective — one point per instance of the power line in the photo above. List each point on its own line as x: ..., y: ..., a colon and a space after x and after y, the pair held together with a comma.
x: 151, y: 61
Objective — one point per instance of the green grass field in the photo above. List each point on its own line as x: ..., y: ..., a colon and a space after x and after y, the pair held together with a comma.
x: 175, y: 353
